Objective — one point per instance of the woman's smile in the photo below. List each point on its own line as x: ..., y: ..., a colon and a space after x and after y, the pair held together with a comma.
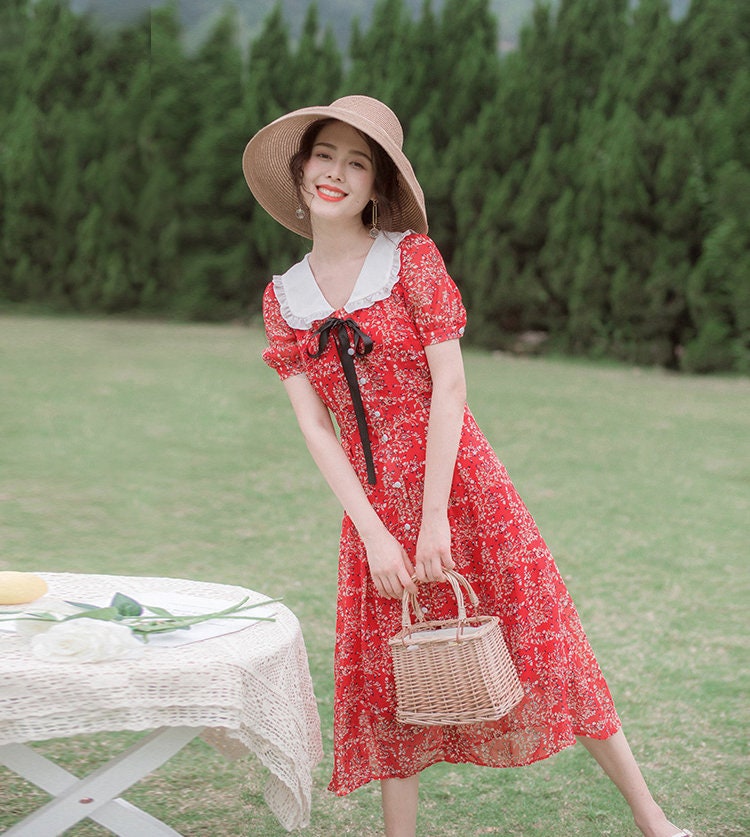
x: 330, y: 193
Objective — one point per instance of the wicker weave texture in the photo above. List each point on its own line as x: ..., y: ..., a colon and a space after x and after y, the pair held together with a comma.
x: 456, y: 671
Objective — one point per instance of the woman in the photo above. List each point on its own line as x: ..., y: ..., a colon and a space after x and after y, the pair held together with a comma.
x: 367, y: 327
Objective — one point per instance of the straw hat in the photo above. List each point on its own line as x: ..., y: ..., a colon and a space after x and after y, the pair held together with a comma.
x: 265, y: 162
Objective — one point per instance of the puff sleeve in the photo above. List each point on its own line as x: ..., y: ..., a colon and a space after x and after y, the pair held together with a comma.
x: 283, y: 353
x: 432, y: 297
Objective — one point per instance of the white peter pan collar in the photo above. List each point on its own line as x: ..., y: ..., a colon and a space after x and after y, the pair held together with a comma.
x: 302, y: 302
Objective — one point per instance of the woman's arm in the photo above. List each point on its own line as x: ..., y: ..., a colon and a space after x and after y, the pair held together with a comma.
x: 390, y: 567
x: 443, y: 435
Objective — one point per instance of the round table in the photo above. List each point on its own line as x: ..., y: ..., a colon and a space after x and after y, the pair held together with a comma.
x: 248, y: 691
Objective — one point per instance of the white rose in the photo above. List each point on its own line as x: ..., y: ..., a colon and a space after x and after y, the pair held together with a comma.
x: 85, y: 641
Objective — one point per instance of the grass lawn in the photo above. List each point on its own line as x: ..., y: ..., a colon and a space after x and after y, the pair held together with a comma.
x: 169, y: 450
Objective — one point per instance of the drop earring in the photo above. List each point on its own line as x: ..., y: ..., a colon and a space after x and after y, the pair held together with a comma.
x: 299, y: 212
x: 374, y: 231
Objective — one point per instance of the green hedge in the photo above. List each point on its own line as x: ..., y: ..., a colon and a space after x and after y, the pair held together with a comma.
x: 591, y: 188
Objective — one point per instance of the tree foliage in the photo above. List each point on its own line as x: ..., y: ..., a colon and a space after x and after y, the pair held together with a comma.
x: 590, y: 187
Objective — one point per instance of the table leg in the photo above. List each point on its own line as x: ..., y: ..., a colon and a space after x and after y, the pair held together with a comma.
x: 93, y: 796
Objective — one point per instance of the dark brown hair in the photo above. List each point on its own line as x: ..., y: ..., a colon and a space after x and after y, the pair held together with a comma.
x: 386, y: 173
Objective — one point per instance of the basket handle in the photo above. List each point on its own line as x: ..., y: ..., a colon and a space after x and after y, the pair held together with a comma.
x: 457, y: 581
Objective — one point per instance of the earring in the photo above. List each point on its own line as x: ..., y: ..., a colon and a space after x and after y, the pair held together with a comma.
x: 374, y: 231
x: 300, y: 213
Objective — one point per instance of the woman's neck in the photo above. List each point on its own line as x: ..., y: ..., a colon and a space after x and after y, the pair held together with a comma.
x: 337, y: 242
x: 336, y: 260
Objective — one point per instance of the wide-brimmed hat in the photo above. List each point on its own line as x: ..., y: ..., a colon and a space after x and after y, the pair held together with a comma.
x: 267, y: 155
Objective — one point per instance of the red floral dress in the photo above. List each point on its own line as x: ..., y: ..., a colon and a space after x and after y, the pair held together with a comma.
x: 403, y: 301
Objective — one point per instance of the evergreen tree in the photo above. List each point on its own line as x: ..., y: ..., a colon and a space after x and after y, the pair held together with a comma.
x: 588, y: 330
x: 271, y: 83
x: 56, y: 57
x: 114, y: 267
x: 626, y: 243
x: 213, y: 236
x: 381, y: 57
x: 49, y: 143
x: 13, y: 23
x: 715, y: 44
x: 499, y: 145
x: 27, y: 213
x: 269, y: 93
x: 464, y: 74
x: 718, y: 288
x: 646, y: 73
x: 737, y: 115
x: 489, y: 268
x: 587, y: 36
x: 465, y: 68
x: 169, y: 121
x: 415, y: 68
x: 558, y: 254
x: 316, y: 63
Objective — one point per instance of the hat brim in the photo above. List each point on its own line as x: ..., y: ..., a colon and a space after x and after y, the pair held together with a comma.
x: 265, y: 164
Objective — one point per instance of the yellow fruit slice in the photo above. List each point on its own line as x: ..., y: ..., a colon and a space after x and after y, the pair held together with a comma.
x: 20, y: 588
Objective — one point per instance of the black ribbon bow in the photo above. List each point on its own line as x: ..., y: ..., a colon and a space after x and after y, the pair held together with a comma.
x: 360, y: 345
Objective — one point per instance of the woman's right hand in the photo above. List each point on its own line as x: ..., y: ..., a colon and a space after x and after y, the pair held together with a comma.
x: 390, y: 567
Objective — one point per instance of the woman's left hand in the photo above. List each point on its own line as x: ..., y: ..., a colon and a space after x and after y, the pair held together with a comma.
x: 434, y: 549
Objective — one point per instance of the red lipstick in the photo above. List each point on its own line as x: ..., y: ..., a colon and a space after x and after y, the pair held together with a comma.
x: 330, y: 193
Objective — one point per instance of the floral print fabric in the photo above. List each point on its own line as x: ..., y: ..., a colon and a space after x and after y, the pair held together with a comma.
x: 495, y: 544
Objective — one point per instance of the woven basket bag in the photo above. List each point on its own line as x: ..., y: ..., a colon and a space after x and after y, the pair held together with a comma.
x: 453, y: 671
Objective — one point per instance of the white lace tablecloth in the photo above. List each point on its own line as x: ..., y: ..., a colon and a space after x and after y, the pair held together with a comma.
x: 251, y: 689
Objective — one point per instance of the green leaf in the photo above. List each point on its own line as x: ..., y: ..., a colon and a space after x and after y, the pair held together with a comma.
x: 109, y: 614
x: 29, y: 617
x: 82, y: 605
x: 158, y: 611
x: 125, y: 605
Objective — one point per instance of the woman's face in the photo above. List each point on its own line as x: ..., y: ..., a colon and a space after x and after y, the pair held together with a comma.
x: 338, y: 179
